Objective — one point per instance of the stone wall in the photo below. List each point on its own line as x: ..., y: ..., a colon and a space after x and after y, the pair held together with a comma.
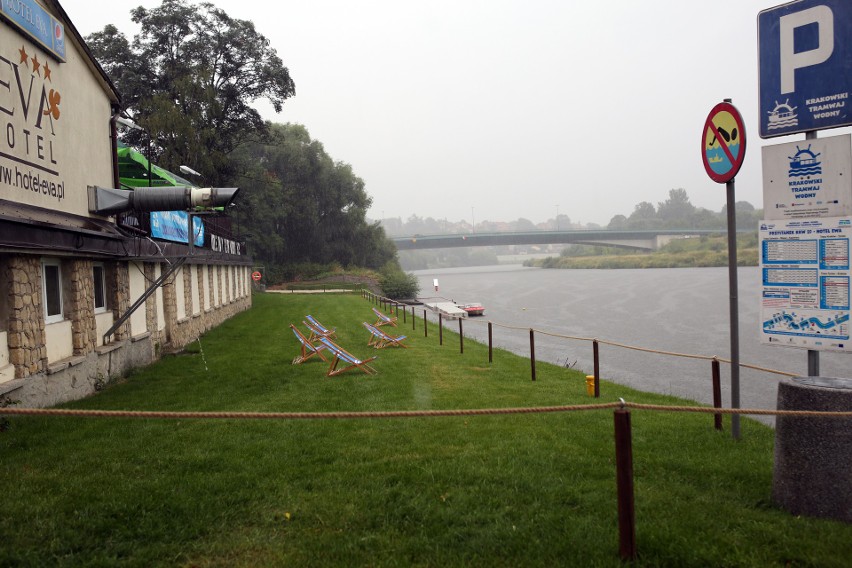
x: 27, y: 348
x: 80, y: 308
x: 39, y: 382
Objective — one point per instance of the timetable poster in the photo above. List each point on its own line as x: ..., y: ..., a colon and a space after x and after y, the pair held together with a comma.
x: 804, y: 267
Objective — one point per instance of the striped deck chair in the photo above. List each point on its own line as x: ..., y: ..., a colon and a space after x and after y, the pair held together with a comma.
x: 379, y: 339
x: 383, y: 319
x: 317, y: 329
x: 308, y: 348
x: 349, y: 360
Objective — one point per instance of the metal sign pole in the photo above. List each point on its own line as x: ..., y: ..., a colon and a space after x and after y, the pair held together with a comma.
x: 734, y: 309
x: 723, y: 148
x: 813, y: 355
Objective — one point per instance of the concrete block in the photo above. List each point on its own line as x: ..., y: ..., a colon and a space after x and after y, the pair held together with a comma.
x: 812, y: 474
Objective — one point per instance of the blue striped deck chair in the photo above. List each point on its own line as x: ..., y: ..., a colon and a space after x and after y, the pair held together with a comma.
x: 383, y: 319
x: 308, y: 349
x: 317, y: 329
x: 379, y: 339
x: 349, y: 360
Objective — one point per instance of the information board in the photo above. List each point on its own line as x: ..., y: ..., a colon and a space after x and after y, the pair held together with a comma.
x: 804, y: 267
x: 808, y: 178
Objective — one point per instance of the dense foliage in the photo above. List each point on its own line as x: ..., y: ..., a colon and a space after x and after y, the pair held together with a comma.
x: 302, y: 206
x: 189, y: 79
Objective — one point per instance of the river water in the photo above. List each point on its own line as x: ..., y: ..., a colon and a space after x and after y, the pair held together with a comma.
x: 682, y: 310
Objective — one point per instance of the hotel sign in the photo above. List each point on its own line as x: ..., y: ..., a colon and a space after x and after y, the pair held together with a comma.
x: 37, y: 23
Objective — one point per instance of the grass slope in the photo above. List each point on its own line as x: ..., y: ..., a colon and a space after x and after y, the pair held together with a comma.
x: 517, y: 490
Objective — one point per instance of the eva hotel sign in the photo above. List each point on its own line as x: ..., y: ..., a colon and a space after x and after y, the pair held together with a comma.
x: 50, y: 101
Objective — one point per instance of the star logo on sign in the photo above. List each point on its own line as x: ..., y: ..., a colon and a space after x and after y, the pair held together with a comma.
x: 46, y: 73
x: 24, y: 56
x: 36, y: 64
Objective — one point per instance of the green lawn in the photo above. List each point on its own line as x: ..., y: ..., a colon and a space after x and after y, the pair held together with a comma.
x: 514, y: 490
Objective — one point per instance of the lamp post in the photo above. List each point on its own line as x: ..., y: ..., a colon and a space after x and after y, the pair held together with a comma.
x: 557, y: 217
x: 473, y: 221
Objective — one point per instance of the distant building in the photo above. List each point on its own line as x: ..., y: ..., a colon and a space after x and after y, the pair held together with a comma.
x: 66, y: 275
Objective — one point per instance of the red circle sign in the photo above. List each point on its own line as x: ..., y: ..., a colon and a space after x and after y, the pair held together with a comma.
x: 255, y: 276
x: 723, y: 143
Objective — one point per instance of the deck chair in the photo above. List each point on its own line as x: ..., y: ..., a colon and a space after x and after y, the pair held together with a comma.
x: 317, y: 329
x: 349, y: 360
x: 379, y: 339
x: 308, y: 348
x: 383, y: 319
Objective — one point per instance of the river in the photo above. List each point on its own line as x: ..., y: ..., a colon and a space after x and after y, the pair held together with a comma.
x: 682, y: 310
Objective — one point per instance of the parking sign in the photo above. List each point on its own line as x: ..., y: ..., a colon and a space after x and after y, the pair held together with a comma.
x: 805, y: 60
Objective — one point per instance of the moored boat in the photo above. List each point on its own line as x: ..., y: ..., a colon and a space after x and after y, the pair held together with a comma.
x: 473, y: 308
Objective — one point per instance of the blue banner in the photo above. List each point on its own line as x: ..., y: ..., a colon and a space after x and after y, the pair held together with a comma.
x: 174, y: 225
x: 37, y: 23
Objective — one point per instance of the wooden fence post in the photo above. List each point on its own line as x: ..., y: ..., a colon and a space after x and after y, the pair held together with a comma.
x: 717, y: 393
x: 490, y: 344
x: 624, y: 482
x: 596, y: 353
x: 532, y: 353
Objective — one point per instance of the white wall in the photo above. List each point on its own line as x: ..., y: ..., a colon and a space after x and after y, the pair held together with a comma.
x: 179, y: 288
x: 138, y: 324
x: 193, y: 279
x: 58, y: 338
x: 103, y: 322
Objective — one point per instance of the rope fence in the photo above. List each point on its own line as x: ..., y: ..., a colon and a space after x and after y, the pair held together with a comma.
x: 593, y: 381
x: 621, y: 405
x: 391, y: 305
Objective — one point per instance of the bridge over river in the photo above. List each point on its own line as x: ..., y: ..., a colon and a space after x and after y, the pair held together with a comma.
x: 634, y: 239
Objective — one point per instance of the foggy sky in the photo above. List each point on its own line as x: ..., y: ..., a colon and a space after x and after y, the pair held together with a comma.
x: 504, y: 109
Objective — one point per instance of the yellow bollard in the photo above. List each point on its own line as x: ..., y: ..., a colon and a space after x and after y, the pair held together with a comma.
x: 590, y: 385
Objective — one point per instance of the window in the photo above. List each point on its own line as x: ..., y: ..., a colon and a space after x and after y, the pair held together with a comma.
x: 52, y: 290
x: 99, y: 276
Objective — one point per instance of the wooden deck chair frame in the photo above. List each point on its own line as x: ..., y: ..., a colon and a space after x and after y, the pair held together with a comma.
x: 317, y: 329
x: 379, y: 339
x: 314, y: 333
x: 340, y: 355
x: 308, y: 349
x: 383, y: 319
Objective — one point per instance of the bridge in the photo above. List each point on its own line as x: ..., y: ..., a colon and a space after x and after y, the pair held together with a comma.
x: 646, y: 239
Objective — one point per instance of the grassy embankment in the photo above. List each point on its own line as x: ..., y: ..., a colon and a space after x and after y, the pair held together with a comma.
x: 514, y: 490
x: 681, y: 253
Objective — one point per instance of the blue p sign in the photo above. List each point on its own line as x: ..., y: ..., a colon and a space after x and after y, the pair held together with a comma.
x: 805, y: 56
x: 791, y: 59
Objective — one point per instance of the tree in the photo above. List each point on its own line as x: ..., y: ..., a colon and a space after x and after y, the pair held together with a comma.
x: 617, y: 222
x: 303, y: 207
x: 644, y: 216
x: 676, y: 210
x: 189, y: 78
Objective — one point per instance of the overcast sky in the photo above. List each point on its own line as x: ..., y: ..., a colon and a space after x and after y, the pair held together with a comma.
x: 495, y: 110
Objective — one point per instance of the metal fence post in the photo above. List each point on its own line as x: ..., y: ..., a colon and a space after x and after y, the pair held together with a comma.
x: 461, y: 337
x: 440, y: 329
